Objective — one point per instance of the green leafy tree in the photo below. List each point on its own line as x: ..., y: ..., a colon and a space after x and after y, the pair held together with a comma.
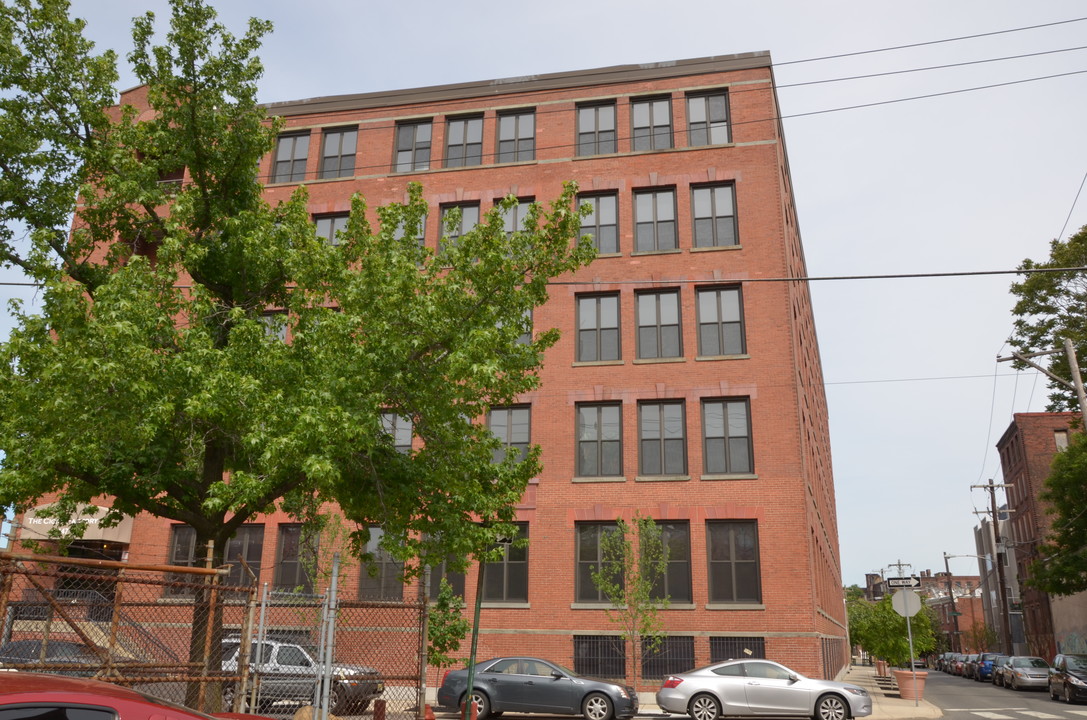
x: 882, y: 632
x: 1052, y: 306
x: 633, y: 561
x: 446, y: 627
x: 154, y: 378
x: 1062, y: 565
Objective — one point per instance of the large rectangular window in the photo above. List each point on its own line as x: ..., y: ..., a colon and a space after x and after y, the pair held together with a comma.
x: 506, y: 580
x: 338, y: 152
x: 590, y: 558
x: 707, y: 119
x: 183, y: 553
x: 290, y: 162
x: 662, y: 438
x: 516, y: 137
x: 514, y: 217
x: 603, y: 222
x: 676, y: 582
x: 602, y: 656
x: 512, y: 428
x: 714, y: 211
x: 720, y: 322
x: 399, y: 430
x: 726, y: 436
x: 658, y: 325
x: 329, y: 226
x: 600, y: 440
x: 380, y: 576
x: 736, y: 648
x: 651, y: 124
x: 412, y: 146
x: 296, y: 558
x: 244, y: 549
x: 734, y: 561
x: 469, y: 218
x: 464, y: 142
x: 675, y: 655
x: 596, y: 129
x: 597, y: 328
x: 655, y: 220
x: 454, y: 578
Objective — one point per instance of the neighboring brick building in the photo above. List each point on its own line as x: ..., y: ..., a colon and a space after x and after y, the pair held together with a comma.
x: 687, y: 384
x: 1026, y: 454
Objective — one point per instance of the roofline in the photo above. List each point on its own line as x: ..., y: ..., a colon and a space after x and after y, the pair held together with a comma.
x: 526, y: 83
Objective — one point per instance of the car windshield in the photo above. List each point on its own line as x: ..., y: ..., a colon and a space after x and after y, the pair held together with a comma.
x: 1076, y: 662
x: 1033, y: 662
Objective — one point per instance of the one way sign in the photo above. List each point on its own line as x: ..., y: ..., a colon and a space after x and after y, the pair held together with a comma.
x: 904, y: 582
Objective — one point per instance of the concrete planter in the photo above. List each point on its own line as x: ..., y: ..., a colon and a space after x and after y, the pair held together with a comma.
x: 908, y: 688
x: 881, y: 668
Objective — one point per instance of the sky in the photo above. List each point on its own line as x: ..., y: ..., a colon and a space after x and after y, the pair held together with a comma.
x: 912, y: 172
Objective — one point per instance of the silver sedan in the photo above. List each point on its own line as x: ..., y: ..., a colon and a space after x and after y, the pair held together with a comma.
x: 759, y: 687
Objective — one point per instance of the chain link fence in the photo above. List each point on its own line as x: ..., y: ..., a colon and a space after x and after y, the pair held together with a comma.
x: 178, y: 633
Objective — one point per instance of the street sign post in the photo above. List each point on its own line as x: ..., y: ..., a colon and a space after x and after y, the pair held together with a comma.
x: 904, y: 582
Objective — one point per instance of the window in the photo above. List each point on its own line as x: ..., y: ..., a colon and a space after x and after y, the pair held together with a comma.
x: 736, y: 648
x: 419, y: 231
x: 469, y: 218
x: 290, y: 162
x: 380, y: 577
x: 720, y: 322
x: 454, y: 578
x: 1060, y: 439
x: 463, y: 142
x: 244, y: 549
x: 597, y: 328
x: 726, y: 436
x: 675, y: 655
x: 412, y: 146
x: 714, y: 211
x: 662, y: 438
x: 338, y: 152
x: 329, y: 226
x: 514, y: 218
x: 596, y: 129
x: 183, y: 553
x: 589, y: 560
x: 658, y: 325
x: 506, y: 580
x: 511, y: 427
x: 516, y: 137
x: 275, y: 325
x: 602, y: 656
x: 398, y: 427
x: 676, y: 583
x: 599, y: 440
x: 734, y: 561
x: 655, y: 221
x: 296, y: 556
x: 707, y: 119
x: 651, y: 122
x: 603, y: 222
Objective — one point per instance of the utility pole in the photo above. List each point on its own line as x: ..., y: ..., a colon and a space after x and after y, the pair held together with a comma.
x: 1073, y: 365
x: 1002, y: 582
x: 956, y: 644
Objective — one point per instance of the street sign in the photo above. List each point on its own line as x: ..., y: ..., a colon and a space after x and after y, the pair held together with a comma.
x: 904, y: 582
x: 906, y: 603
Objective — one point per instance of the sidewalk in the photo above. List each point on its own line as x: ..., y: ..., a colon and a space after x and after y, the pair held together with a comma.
x: 886, y: 704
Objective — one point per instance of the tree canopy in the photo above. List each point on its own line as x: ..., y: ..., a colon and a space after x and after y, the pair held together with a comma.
x: 156, y: 374
x: 1062, y: 565
x: 881, y: 631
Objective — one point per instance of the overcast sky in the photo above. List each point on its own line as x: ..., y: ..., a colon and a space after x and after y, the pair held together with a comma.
x: 967, y: 180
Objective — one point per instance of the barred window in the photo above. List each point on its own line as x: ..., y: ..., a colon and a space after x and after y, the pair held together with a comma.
x: 675, y: 655
x: 736, y: 648
x: 602, y: 656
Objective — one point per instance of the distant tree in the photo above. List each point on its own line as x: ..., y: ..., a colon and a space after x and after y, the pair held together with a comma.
x: 883, y: 633
x: 1052, y: 306
x: 853, y: 592
x: 1061, y: 568
x: 634, y: 558
x: 446, y: 627
x: 981, y: 637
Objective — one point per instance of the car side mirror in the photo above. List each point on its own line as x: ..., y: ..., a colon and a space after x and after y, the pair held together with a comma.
x: 793, y: 677
x: 557, y: 675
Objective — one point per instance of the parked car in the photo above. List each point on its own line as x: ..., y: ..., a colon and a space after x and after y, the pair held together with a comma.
x: 759, y: 687
x: 983, y: 670
x: 1068, y: 678
x: 53, y: 696
x: 527, y: 684
x: 957, y: 663
x: 1024, y: 671
x: 289, y: 673
x: 969, y: 665
x: 1000, y: 670
x: 56, y: 657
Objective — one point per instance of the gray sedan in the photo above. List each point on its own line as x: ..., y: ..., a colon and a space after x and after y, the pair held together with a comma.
x: 759, y: 687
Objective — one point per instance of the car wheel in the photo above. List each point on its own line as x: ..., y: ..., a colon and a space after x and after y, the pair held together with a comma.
x: 597, y: 707
x: 1068, y: 695
x: 1015, y: 683
x: 704, y: 707
x: 337, y: 700
x: 482, y: 703
x: 228, y: 700
x: 831, y: 707
x: 1053, y: 694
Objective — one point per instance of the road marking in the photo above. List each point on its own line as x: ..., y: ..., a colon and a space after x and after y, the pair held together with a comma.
x: 1042, y: 715
x: 991, y: 715
x: 1077, y: 712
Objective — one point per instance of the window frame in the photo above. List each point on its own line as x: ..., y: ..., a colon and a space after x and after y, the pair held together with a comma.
x: 511, y: 424
x: 715, y: 218
x: 589, y: 141
x: 418, y: 149
x: 675, y: 655
x: 724, y: 648
x: 594, y: 200
x: 520, y: 136
x: 658, y: 222
x: 387, y: 583
x: 470, y: 145
x: 513, y: 219
x: 336, y: 223
x: 599, y: 441
x: 658, y: 327
x: 676, y: 582
x: 729, y: 564
x: 585, y: 591
x: 341, y: 170
x: 666, y: 466
x: 290, y: 571
x: 237, y: 575
x: 721, y: 323
x: 710, y: 123
x: 396, y: 425
x: 294, y: 172
x: 511, y: 571
x: 650, y: 136
x: 610, y: 666
x: 600, y: 342
x: 445, y: 240
x: 729, y: 466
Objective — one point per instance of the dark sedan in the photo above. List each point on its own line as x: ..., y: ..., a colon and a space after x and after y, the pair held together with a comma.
x: 526, y: 684
x: 60, y: 657
x: 1068, y: 678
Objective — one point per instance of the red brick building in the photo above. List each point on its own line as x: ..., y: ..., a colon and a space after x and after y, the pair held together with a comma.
x: 687, y: 384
